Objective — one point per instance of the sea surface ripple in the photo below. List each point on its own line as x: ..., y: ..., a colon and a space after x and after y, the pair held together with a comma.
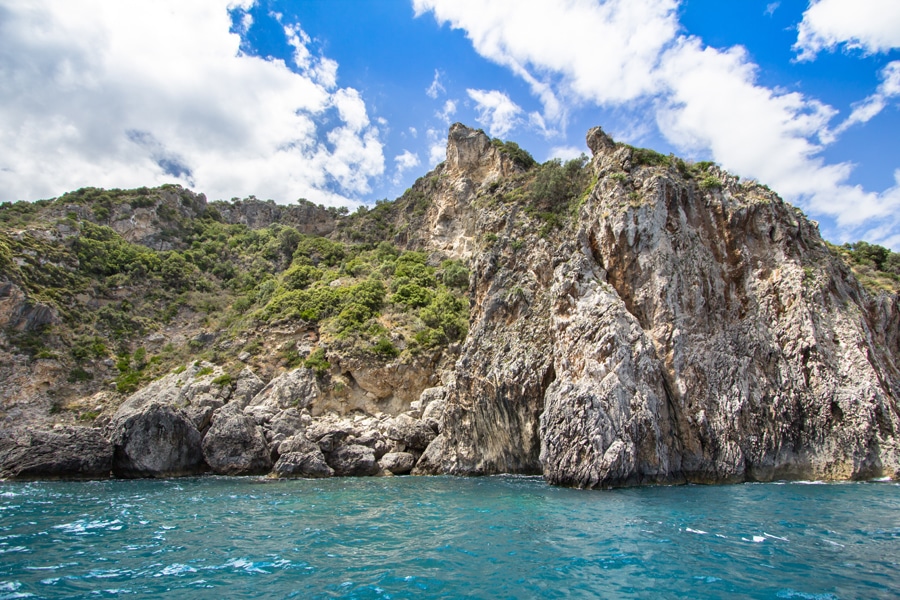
x: 442, y: 537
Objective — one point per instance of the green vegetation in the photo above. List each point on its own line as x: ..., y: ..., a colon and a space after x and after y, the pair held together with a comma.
x: 710, y: 182
x: 519, y: 156
x: 356, y: 290
x: 316, y: 361
x: 877, y: 267
x: 649, y: 158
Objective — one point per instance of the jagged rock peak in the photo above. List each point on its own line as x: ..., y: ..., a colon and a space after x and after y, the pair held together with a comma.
x: 470, y: 154
x: 598, y: 141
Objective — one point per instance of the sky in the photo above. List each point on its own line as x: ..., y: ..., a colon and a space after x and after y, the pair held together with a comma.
x: 346, y: 102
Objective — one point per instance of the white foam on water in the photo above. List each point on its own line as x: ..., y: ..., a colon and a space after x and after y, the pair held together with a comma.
x: 757, y: 539
x: 176, y: 569
x: 834, y: 543
x: 697, y: 531
x: 774, y: 537
x: 83, y: 526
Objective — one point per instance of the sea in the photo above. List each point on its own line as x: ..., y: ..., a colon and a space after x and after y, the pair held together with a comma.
x: 445, y: 537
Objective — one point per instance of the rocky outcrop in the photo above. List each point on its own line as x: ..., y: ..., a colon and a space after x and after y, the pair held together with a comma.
x: 155, y: 440
x: 63, y: 453
x: 685, y: 333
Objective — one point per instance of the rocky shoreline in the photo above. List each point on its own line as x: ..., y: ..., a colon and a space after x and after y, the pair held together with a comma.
x: 187, y: 424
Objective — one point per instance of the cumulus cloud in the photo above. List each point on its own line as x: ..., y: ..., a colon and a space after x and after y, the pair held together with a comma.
x: 495, y: 111
x: 605, y: 52
x: 622, y: 53
x: 870, y: 26
x: 404, y: 162
x: 140, y: 93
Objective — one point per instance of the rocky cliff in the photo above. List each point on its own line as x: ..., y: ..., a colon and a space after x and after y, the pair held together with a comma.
x: 632, y: 319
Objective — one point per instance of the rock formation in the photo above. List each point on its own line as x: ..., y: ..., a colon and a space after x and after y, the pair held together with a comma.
x: 659, y: 323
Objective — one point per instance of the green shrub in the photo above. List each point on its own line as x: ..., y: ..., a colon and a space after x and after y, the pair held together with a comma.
x: 223, y: 380
x: 518, y: 155
x: 710, y: 182
x: 385, y: 348
x: 412, y: 295
x: 78, y: 374
x: 316, y: 361
x: 648, y: 157
x: 454, y: 274
x: 299, y: 277
x: 204, y: 371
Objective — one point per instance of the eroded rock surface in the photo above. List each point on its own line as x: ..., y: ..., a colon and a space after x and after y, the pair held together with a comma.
x: 63, y: 453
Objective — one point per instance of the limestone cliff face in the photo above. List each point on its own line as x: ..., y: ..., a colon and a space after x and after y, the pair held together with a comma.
x: 674, y: 332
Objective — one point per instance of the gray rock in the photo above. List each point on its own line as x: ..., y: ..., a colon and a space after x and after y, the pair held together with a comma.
x: 64, y: 453
x: 374, y: 440
x: 298, y: 389
x: 431, y: 461
x: 235, y: 445
x: 283, y: 425
x: 398, y: 463
x: 246, y: 387
x: 412, y: 433
x: 353, y: 461
x: 155, y: 441
x: 300, y: 458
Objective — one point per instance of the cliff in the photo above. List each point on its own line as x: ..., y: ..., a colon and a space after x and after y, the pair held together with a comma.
x: 631, y: 319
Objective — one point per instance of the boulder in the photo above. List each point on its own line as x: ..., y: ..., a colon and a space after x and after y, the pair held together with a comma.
x: 64, y: 453
x: 353, y: 460
x: 155, y: 441
x: 300, y: 458
x: 298, y: 388
x: 235, y: 445
x: 398, y: 463
x: 413, y: 434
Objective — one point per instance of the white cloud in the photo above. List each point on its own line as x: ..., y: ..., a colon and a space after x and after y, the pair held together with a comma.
x: 495, y: 111
x: 446, y: 113
x: 622, y: 53
x: 435, y: 89
x: 605, y: 52
x: 129, y: 94
x: 565, y: 153
x: 771, y: 8
x: 867, y: 25
x: 437, y: 146
x: 870, y: 107
x: 405, y: 161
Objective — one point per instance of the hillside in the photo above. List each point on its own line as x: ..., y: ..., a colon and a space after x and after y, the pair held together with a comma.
x: 629, y: 318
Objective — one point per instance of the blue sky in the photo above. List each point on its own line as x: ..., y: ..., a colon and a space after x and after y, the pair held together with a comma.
x: 348, y: 101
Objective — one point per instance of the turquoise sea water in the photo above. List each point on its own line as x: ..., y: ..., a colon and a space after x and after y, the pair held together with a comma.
x: 402, y: 537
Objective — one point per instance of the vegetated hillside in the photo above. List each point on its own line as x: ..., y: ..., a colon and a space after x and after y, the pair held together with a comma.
x: 86, y: 310
x: 629, y: 318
